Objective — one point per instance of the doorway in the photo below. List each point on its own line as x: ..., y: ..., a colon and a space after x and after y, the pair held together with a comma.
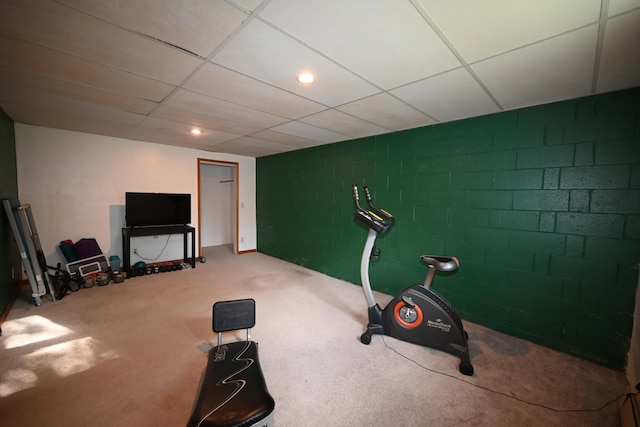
x: 217, y: 204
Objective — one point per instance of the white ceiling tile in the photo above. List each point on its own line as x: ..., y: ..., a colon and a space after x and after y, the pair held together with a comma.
x: 123, y: 67
x: 448, y: 96
x: 21, y: 78
x: 168, y: 138
x: 284, y: 138
x: 310, y: 132
x: 389, y: 52
x: 268, y: 55
x: 57, y: 65
x: 223, y: 83
x: 73, y: 107
x: 178, y: 130
x: 243, y: 149
x: 554, y: 69
x: 72, y: 116
x: 483, y: 28
x: 94, y: 39
x: 618, y: 68
x: 255, y: 142
x: 343, y: 123
x: 249, y: 5
x: 197, y: 26
x: 192, y: 119
x: 621, y: 6
x: 215, y: 107
x: 387, y: 112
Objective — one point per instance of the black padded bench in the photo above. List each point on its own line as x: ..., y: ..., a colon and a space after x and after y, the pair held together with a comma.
x: 233, y: 392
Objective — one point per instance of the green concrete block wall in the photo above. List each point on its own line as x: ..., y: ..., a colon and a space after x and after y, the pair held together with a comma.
x: 10, y: 262
x: 541, y: 206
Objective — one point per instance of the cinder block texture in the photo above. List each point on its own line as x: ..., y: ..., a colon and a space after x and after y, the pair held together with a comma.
x: 541, y: 205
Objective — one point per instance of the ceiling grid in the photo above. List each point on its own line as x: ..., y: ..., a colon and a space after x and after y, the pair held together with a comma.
x: 152, y: 70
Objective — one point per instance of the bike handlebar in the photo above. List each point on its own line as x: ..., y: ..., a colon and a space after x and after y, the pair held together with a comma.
x: 366, y: 193
x: 356, y: 196
x: 381, y: 212
x: 377, y: 219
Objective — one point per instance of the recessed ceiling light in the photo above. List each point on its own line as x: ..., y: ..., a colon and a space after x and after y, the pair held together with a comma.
x: 306, y: 78
x: 196, y: 131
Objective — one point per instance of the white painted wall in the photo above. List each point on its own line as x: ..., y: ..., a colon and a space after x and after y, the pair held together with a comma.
x: 76, y: 182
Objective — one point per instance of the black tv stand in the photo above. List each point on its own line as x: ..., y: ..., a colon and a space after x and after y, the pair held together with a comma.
x: 129, y: 232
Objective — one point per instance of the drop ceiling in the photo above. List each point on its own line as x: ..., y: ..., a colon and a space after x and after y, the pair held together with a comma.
x: 152, y: 70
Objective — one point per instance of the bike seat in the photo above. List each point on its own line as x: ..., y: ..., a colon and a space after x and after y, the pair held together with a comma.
x: 441, y: 262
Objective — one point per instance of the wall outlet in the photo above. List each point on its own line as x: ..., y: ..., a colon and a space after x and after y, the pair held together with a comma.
x: 135, y: 251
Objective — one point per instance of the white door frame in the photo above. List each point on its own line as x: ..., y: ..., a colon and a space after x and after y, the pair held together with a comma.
x: 236, y: 166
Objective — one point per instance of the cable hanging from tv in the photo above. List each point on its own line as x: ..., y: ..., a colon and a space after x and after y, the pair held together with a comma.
x: 137, y: 252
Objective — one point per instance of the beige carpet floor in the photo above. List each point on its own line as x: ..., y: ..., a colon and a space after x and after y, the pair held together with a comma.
x: 132, y: 354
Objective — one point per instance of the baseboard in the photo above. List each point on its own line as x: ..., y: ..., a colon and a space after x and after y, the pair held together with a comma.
x: 247, y: 252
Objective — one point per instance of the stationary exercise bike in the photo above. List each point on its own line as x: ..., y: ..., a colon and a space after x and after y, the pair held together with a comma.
x: 418, y: 314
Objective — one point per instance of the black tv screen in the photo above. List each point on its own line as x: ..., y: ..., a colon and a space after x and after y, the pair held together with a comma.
x: 155, y: 209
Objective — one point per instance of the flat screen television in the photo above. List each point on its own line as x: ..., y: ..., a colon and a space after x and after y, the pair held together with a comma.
x: 157, y: 209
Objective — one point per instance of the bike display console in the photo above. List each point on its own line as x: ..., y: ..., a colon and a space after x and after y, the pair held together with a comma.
x: 129, y: 232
